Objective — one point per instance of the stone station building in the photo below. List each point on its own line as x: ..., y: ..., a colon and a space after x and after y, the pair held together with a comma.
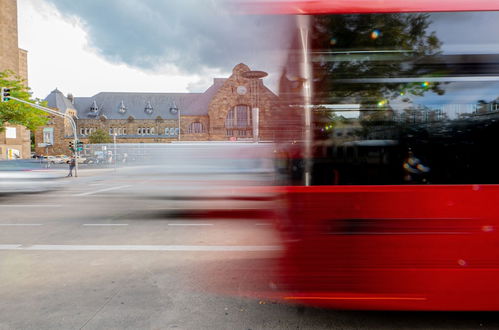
x: 223, y: 112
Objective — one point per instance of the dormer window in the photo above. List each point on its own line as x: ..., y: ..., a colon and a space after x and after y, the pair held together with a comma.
x: 148, y: 109
x: 94, y: 108
x: 122, y: 107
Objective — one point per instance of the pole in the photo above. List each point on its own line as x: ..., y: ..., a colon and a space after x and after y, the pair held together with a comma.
x: 304, y: 24
x: 59, y: 114
x: 178, y: 136
x: 255, y: 116
x: 115, y: 155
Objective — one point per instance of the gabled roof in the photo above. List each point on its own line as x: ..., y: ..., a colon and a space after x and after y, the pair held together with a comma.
x: 138, y: 105
x: 57, y: 100
x: 200, y: 106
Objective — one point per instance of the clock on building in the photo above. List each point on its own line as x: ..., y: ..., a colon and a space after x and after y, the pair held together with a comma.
x: 241, y: 90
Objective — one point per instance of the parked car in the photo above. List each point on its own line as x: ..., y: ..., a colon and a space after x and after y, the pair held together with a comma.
x: 82, y: 160
x: 49, y: 159
x: 92, y: 160
x: 63, y: 159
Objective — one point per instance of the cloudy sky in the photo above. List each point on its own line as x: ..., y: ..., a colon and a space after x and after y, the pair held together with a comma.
x: 85, y: 47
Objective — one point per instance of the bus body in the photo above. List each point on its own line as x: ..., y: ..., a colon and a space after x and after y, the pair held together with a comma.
x: 392, y: 195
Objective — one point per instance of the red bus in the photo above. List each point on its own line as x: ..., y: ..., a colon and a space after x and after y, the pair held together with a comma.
x: 392, y: 174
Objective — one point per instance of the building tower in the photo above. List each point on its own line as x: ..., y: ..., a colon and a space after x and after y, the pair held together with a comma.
x: 15, y: 140
x: 11, y: 57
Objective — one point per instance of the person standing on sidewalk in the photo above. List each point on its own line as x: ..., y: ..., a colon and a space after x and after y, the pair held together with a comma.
x: 72, y: 164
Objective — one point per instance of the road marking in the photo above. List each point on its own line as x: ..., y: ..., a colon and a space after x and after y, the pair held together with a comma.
x: 354, y: 298
x: 181, y: 248
x: 105, y: 224
x: 31, y: 205
x: 21, y: 224
x: 101, y: 190
x: 190, y: 224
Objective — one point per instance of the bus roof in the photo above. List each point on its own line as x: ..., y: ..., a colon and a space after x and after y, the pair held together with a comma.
x: 365, y: 6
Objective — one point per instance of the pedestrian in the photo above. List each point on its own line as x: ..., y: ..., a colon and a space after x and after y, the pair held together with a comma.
x: 72, y: 164
x: 414, y: 170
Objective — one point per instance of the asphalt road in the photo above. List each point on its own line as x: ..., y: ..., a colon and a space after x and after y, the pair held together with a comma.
x: 139, y: 250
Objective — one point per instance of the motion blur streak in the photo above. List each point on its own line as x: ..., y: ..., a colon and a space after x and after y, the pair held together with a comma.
x: 352, y: 298
x: 364, y: 6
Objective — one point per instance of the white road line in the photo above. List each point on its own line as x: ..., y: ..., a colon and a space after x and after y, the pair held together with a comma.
x: 31, y: 205
x: 101, y: 190
x: 20, y: 224
x: 190, y: 224
x: 105, y: 224
x: 181, y: 248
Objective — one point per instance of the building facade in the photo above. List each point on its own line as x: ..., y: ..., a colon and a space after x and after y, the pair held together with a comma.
x: 232, y: 108
x: 15, y: 139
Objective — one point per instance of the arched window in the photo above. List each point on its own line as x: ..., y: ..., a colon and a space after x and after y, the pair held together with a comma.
x: 238, y: 121
x: 196, y: 128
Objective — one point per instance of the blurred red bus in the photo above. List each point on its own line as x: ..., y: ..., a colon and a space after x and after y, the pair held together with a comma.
x: 391, y: 110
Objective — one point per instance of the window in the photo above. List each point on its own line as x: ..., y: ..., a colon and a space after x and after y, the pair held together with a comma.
x: 239, y: 117
x: 171, y: 131
x: 242, y: 116
x: 48, y: 135
x: 148, y: 109
x: 229, y: 121
x: 196, y: 128
x: 10, y: 133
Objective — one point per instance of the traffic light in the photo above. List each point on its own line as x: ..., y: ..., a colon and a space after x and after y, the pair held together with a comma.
x: 5, y: 94
x: 79, y: 146
x: 72, y: 145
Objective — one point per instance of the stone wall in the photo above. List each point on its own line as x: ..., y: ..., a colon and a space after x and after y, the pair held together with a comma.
x: 63, y: 133
x: 10, y: 56
x: 9, y: 51
x: 23, y: 65
x: 61, y: 144
x: 228, y: 97
x: 21, y: 142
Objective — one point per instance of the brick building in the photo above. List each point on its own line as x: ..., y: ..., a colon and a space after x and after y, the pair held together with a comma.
x: 15, y: 139
x: 224, y: 111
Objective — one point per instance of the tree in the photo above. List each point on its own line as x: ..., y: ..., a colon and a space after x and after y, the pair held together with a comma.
x: 372, y: 46
x: 351, y: 50
x: 99, y: 136
x: 17, y: 113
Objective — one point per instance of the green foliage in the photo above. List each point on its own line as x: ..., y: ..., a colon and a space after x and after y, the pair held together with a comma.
x: 17, y: 113
x: 371, y: 46
x: 99, y: 136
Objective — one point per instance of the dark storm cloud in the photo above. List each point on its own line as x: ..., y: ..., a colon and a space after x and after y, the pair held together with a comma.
x: 187, y: 33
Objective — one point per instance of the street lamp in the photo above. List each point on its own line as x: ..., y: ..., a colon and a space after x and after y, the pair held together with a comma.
x: 254, y: 77
x: 175, y: 111
x: 115, y: 154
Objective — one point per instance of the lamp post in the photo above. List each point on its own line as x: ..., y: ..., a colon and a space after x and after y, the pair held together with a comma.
x: 254, y: 77
x: 115, y: 154
x: 175, y: 111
